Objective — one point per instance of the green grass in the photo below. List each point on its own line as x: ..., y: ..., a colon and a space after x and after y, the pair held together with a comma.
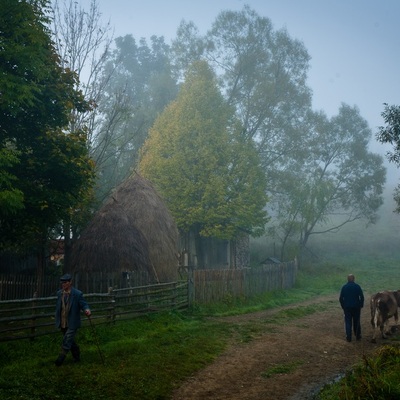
x: 143, y: 360
x: 281, y: 369
x: 148, y: 357
x: 376, y: 378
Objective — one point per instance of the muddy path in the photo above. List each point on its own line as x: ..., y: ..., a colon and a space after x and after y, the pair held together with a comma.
x: 312, y: 347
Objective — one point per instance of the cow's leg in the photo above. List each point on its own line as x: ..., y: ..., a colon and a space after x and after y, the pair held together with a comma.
x: 388, y: 329
x: 375, y: 322
x: 384, y: 329
x: 373, y: 340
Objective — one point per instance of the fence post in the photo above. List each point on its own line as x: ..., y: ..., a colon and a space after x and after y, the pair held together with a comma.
x: 112, y: 304
x: 33, y: 327
x: 190, y: 279
x: 174, y: 295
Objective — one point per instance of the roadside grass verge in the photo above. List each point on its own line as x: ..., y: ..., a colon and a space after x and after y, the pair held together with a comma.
x: 377, y: 377
x: 148, y: 357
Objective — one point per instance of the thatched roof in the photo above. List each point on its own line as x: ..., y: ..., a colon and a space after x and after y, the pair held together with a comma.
x: 132, y: 231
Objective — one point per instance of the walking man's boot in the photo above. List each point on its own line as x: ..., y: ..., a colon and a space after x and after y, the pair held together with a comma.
x: 60, y: 358
x: 76, y: 352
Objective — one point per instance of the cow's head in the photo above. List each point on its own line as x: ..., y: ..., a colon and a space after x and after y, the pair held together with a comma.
x: 396, y: 294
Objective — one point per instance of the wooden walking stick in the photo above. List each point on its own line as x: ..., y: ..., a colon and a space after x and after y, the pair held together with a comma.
x: 96, y: 338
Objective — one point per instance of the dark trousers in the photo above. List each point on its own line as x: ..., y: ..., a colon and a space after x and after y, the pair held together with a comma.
x: 69, y: 343
x: 352, y: 322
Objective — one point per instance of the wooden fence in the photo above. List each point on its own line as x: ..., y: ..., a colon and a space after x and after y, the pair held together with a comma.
x: 210, y: 286
x: 34, y: 316
x: 14, y: 286
x: 30, y: 318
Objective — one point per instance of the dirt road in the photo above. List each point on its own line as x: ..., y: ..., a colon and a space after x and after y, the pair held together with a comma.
x: 313, y: 348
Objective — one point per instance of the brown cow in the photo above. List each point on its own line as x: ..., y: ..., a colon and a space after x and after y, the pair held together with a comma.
x: 384, y: 306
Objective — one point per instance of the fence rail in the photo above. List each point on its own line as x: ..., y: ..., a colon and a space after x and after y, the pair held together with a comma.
x: 14, y: 286
x: 30, y: 318
x: 34, y: 316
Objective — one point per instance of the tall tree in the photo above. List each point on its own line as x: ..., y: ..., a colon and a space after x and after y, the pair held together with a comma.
x: 262, y: 74
x: 390, y: 134
x: 140, y: 86
x: 47, y: 170
x: 331, y: 180
x: 83, y: 43
x: 208, y: 173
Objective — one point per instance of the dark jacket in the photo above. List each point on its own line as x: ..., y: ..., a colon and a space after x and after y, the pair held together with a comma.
x: 351, y: 296
x: 77, y: 303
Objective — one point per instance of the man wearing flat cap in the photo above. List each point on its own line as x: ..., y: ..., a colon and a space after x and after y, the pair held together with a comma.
x: 70, y: 303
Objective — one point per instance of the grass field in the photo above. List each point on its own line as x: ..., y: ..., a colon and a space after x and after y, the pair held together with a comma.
x: 147, y: 357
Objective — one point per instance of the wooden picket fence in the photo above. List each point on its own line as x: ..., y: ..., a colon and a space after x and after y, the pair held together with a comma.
x: 210, y: 286
x: 13, y: 286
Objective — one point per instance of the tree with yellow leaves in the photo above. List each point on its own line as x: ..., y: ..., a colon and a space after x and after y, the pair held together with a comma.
x: 208, y: 173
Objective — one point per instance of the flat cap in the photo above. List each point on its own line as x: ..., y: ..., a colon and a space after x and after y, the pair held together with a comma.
x: 66, y: 278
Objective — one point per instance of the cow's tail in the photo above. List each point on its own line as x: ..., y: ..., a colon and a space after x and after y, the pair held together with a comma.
x: 373, y: 312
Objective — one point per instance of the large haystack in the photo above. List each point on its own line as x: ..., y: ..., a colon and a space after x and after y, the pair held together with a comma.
x: 133, y: 231
x: 111, y: 243
x: 151, y: 217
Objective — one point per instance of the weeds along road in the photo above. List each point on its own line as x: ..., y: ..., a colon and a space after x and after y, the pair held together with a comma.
x: 289, y: 356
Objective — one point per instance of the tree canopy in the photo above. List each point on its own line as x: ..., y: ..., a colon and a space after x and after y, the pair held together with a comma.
x: 44, y: 172
x: 208, y: 173
x: 138, y: 84
x: 390, y: 134
x: 316, y: 168
x: 202, y: 161
x: 337, y: 182
x: 262, y: 73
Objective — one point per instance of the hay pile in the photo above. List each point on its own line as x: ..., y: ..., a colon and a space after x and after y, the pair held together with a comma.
x: 133, y: 231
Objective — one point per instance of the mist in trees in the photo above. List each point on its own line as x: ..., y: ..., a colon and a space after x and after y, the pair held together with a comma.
x: 320, y: 174
x: 390, y: 134
x: 144, y: 103
x: 336, y: 183
x: 209, y: 174
x: 139, y: 84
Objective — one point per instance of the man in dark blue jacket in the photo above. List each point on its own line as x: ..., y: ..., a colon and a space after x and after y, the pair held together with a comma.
x: 352, y: 300
x: 70, y: 302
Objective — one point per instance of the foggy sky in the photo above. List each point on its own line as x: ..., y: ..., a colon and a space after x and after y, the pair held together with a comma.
x: 354, y: 44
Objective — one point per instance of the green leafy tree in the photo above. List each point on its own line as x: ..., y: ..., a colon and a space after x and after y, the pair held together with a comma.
x: 83, y: 43
x: 47, y: 171
x: 308, y: 160
x: 262, y: 73
x: 11, y: 198
x: 390, y: 134
x: 208, y: 173
x: 330, y: 181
